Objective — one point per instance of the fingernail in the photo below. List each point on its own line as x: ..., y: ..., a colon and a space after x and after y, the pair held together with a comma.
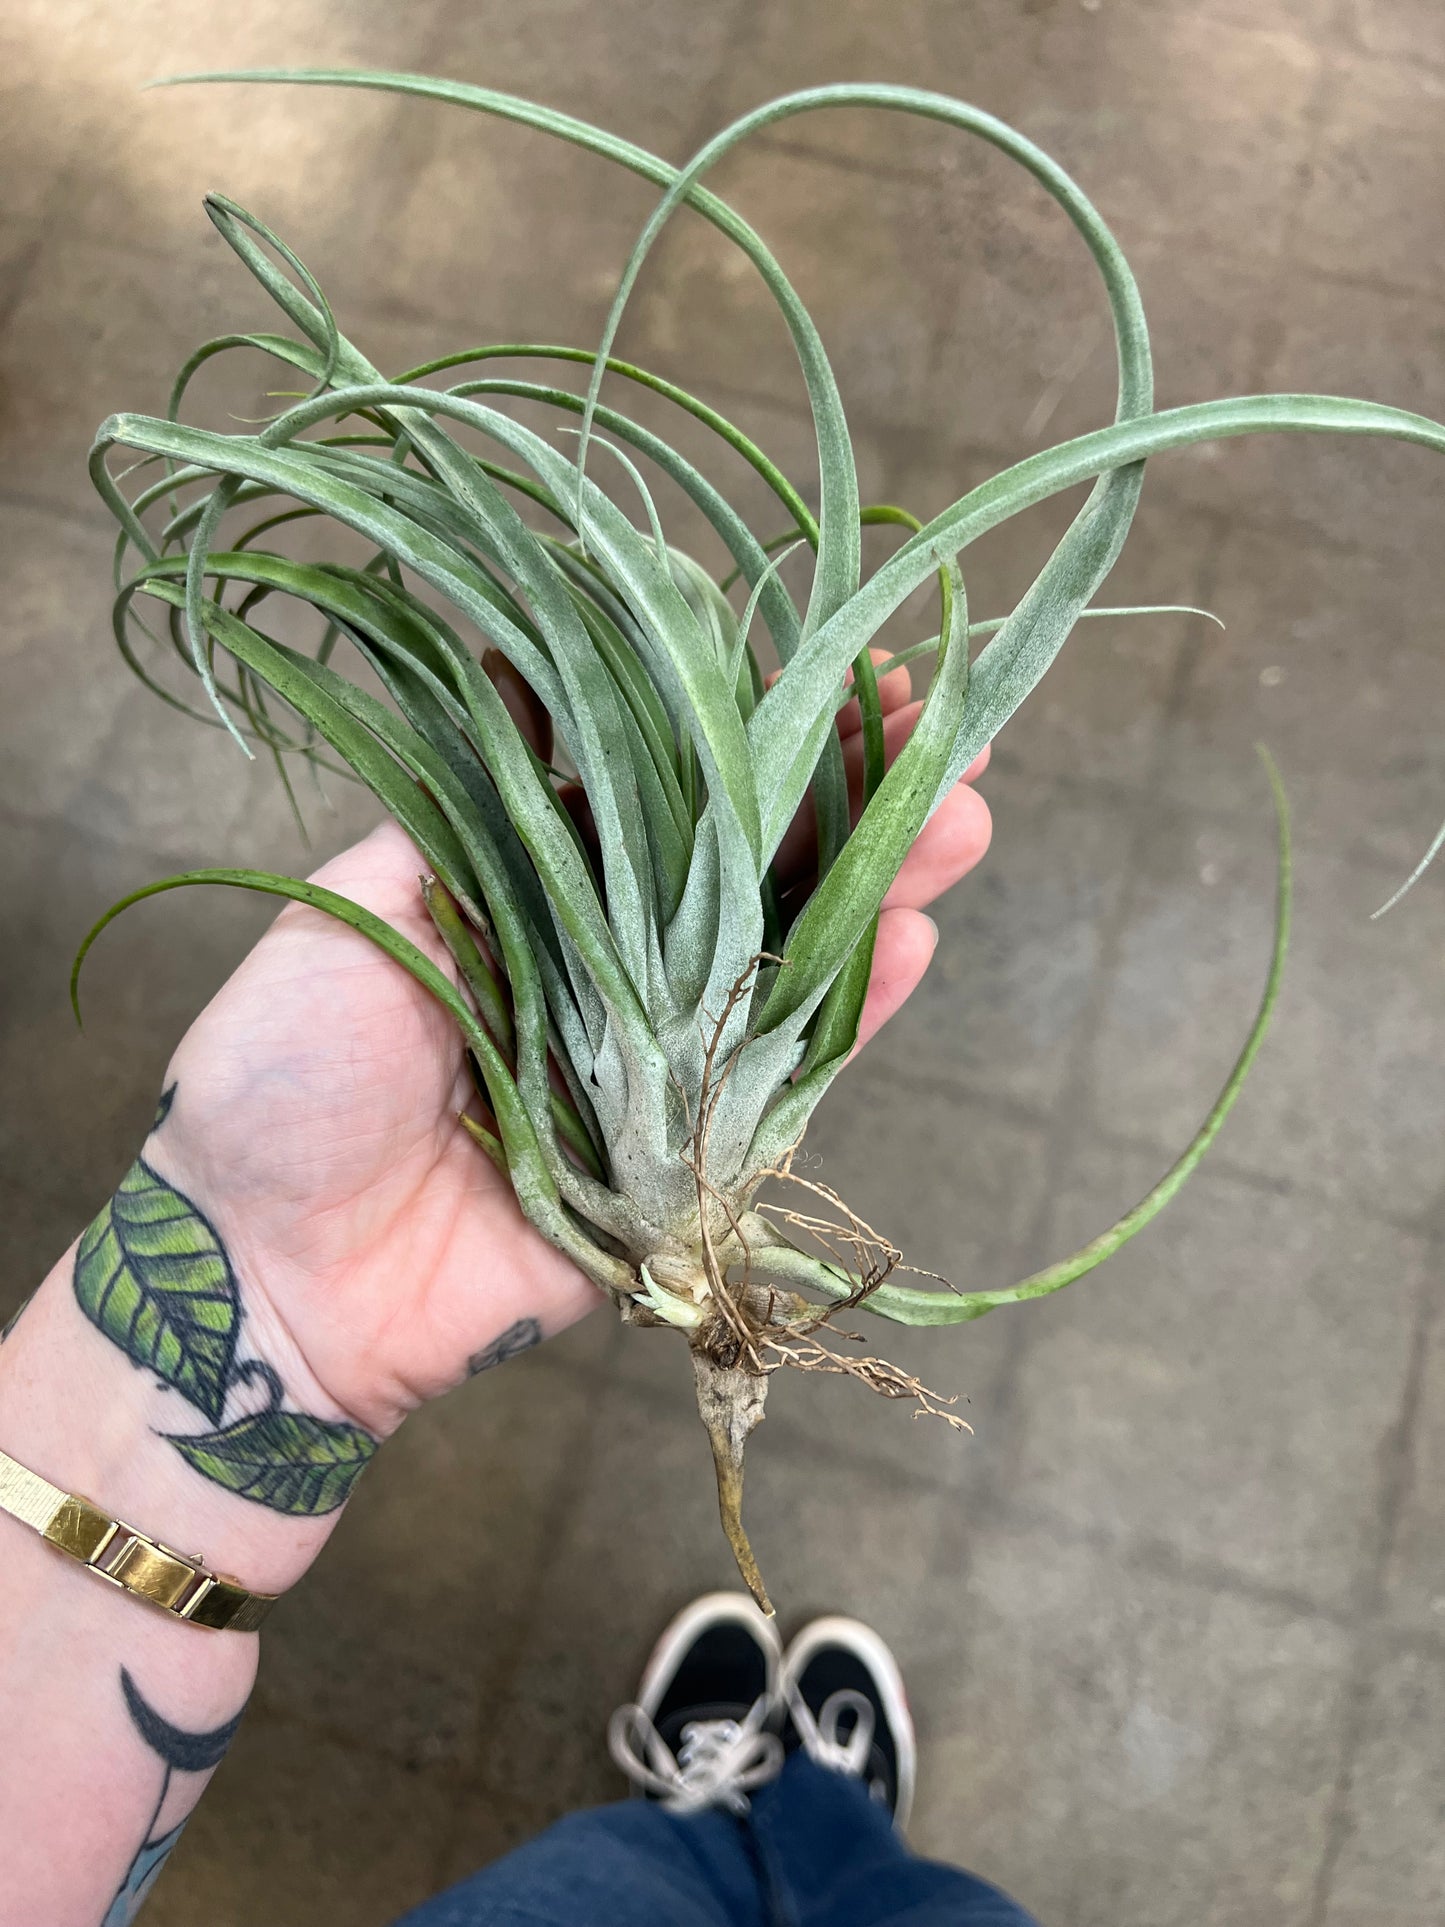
x: 932, y: 926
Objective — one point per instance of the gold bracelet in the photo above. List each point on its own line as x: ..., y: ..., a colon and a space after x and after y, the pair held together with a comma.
x: 124, y: 1557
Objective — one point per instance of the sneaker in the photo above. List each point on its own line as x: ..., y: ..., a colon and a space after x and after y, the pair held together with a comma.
x: 848, y: 1711
x: 697, y: 1734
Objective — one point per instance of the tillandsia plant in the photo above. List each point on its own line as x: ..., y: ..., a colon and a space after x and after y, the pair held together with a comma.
x: 583, y: 744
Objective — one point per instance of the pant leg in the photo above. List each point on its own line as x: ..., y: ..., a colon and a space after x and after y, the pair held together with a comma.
x: 831, y: 1857
x: 628, y: 1865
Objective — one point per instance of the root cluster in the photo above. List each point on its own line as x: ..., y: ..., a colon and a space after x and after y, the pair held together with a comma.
x: 853, y: 1245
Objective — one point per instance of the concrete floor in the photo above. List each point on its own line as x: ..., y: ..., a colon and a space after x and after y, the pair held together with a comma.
x: 1174, y: 1619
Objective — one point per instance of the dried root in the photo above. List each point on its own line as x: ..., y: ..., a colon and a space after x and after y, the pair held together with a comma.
x: 809, y: 1354
x: 730, y: 1403
x: 849, y: 1240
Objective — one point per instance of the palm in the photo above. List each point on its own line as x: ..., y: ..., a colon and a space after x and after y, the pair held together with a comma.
x: 321, y: 1087
x: 316, y: 1118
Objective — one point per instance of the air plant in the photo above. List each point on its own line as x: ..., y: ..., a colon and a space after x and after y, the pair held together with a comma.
x: 652, y: 1017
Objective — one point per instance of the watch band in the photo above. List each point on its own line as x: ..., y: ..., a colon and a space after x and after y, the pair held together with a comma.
x: 128, y: 1558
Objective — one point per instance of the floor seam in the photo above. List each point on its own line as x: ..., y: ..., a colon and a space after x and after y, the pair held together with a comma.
x: 1371, y: 1638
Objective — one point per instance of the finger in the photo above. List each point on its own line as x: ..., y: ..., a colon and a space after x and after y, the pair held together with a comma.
x: 902, y: 952
x: 950, y: 844
x: 894, y: 690
x: 798, y: 852
x: 380, y: 873
x: 897, y: 728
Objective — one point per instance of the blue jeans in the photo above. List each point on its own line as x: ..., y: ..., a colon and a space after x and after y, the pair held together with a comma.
x: 815, y: 1851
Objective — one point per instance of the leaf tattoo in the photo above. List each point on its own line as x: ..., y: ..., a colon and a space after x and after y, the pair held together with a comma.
x: 14, y: 1319
x: 179, y: 1751
x: 153, y: 1275
x: 141, y: 1876
x: 287, y: 1460
x: 519, y: 1337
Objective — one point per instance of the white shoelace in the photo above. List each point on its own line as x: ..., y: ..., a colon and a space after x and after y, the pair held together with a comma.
x: 823, y: 1739
x: 717, y: 1763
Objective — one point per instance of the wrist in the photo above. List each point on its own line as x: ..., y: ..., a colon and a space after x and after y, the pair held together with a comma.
x: 77, y: 1411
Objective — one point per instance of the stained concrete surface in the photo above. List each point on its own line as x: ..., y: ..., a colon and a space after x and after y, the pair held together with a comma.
x: 1174, y: 1617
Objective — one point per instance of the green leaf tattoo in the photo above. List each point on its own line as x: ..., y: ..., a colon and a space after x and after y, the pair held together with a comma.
x: 153, y: 1275
x: 286, y: 1460
x: 14, y: 1319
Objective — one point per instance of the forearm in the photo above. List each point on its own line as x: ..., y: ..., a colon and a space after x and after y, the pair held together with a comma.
x: 308, y: 1246
x: 112, y: 1713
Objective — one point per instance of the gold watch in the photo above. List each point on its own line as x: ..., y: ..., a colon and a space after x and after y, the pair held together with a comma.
x: 125, y: 1557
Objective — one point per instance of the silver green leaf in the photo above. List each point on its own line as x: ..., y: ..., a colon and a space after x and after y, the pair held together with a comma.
x: 642, y: 915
